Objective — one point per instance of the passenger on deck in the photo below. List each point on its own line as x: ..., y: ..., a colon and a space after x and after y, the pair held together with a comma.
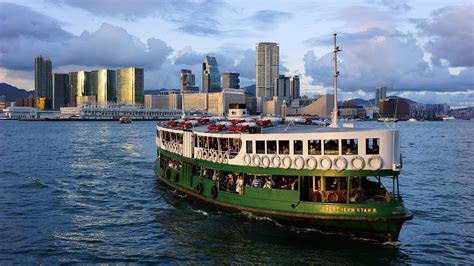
x: 284, y: 184
x: 230, y: 183
x: 285, y: 150
x: 312, y: 150
x: 239, y: 185
x: 267, y: 183
x: 256, y: 182
x: 348, y: 151
x: 294, y: 184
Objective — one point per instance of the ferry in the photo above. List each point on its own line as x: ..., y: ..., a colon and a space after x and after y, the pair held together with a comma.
x: 125, y: 120
x: 296, y: 171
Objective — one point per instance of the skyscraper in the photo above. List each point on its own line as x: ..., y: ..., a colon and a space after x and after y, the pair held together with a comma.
x: 267, y: 68
x: 130, y: 85
x: 104, y: 85
x: 294, y: 87
x: 187, y: 81
x: 43, y: 78
x: 231, y: 80
x: 380, y: 94
x: 281, y: 86
x: 211, y: 80
x: 60, y: 90
x: 79, y: 85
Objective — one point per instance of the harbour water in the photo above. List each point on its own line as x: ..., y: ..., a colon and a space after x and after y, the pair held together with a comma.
x: 74, y: 192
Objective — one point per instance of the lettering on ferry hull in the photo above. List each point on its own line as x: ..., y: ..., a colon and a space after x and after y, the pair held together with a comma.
x: 334, y: 209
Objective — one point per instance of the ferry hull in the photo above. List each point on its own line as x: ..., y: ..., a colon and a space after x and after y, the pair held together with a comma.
x: 378, y: 228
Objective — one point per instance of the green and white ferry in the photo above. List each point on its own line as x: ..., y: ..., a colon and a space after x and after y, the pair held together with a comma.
x: 298, y: 171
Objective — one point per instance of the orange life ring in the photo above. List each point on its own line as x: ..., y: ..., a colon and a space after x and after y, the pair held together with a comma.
x: 343, y: 196
x: 336, y: 199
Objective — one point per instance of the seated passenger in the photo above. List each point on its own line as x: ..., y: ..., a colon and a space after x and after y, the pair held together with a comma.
x: 256, y: 182
x: 230, y: 183
x: 294, y: 184
x: 348, y: 151
x: 285, y: 150
x: 267, y: 183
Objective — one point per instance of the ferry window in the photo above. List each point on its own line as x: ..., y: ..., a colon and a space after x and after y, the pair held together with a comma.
x: 231, y: 182
x: 331, y: 147
x: 297, y: 147
x: 224, y: 144
x: 372, y: 146
x: 213, y: 144
x: 203, y: 142
x: 331, y: 183
x: 260, y: 146
x: 283, y: 147
x: 271, y: 147
x: 285, y: 182
x: 249, y: 147
x: 314, y: 147
x: 234, y: 147
x: 349, y: 146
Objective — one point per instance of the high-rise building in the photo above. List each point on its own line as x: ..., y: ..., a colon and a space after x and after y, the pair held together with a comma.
x: 60, y: 90
x: 130, y: 85
x: 104, y: 85
x: 43, y: 78
x: 267, y: 68
x: 231, y: 80
x: 211, y: 80
x: 187, y: 81
x: 294, y: 87
x: 79, y: 85
x: 281, y: 86
x: 380, y: 94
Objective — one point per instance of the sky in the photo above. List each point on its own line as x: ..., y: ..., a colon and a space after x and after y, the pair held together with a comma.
x: 422, y: 50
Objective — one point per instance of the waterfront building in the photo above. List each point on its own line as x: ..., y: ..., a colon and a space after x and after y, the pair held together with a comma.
x: 231, y: 80
x: 211, y: 80
x: 79, y: 85
x: 281, y: 86
x: 214, y: 103
x: 98, y: 112
x: 170, y: 101
x: 104, y: 85
x: 267, y: 68
x: 380, y: 94
x: 43, y: 78
x: 130, y: 85
x: 394, y: 107
x: 60, y: 90
x: 19, y: 112
x: 294, y: 87
x: 321, y: 107
x: 40, y: 103
x: 86, y: 100
x: 3, y: 102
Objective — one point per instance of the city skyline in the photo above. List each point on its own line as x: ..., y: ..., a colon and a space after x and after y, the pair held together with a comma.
x: 405, y: 46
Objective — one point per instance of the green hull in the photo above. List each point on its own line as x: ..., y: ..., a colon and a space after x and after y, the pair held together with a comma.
x: 377, y: 220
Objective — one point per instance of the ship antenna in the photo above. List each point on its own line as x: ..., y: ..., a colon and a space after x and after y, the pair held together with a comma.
x: 336, y: 73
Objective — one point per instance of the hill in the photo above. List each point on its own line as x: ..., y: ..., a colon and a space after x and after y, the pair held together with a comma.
x: 12, y: 93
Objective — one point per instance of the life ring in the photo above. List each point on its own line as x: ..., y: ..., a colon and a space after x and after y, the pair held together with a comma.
x: 204, y: 154
x: 214, y: 192
x: 199, y: 188
x: 214, y: 156
x: 311, y: 163
x: 265, y: 161
x: 334, y: 199
x: 226, y: 157
x: 220, y: 158
x: 286, y: 162
x: 247, y: 159
x: 276, y: 162
x: 355, y: 165
x: 340, y: 167
x: 256, y: 160
x: 378, y: 163
x: 328, y: 163
x: 199, y: 154
x: 343, y: 196
x: 318, y: 196
x: 298, y: 162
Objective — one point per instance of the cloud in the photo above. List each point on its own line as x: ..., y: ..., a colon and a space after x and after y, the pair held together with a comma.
x: 450, y: 32
x: 379, y: 57
x: 195, y: 17
x: 395, y: 5
x: 266, y: 19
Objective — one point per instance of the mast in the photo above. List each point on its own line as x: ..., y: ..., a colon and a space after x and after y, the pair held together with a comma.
x: 336, y: 73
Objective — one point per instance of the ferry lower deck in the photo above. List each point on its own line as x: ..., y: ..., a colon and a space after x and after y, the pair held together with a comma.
x: 337, y: 200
